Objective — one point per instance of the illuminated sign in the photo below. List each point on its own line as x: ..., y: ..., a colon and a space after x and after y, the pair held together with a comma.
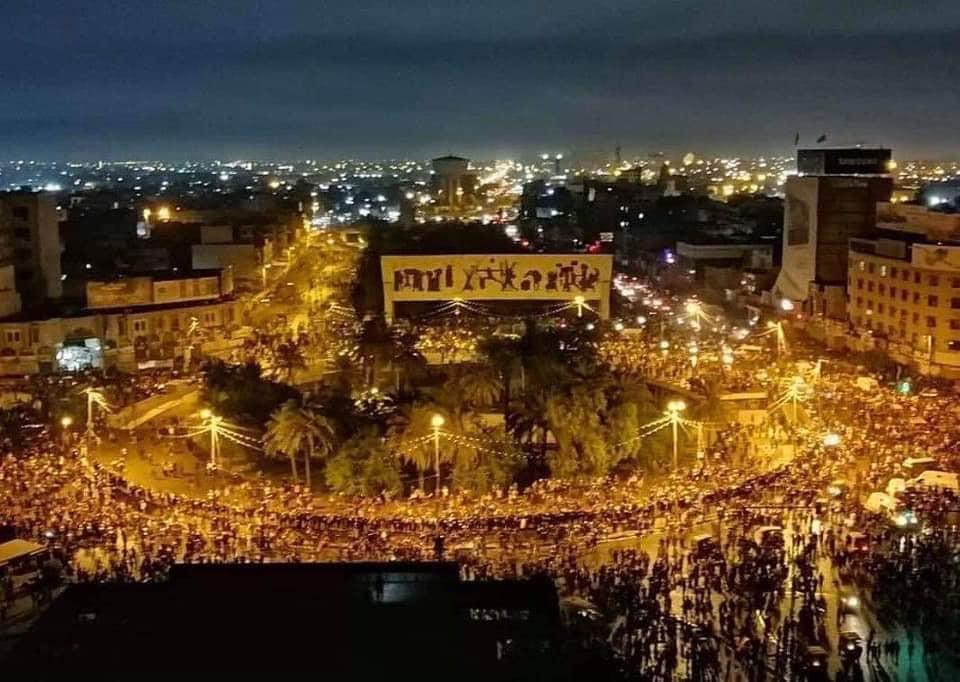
x: 849, y: 161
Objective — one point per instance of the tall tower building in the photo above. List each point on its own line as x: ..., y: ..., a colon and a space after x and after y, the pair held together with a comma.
x: 30, y: 230
x: 832, y: 200
x: 453, y: 182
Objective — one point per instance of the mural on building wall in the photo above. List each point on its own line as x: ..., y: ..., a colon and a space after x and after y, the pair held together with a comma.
x: 496, y: 276
x: 932, y: 257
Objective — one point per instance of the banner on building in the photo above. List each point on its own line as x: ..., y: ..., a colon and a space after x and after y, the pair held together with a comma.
x: 130, y: 291
x: 932, y: 257
x: 800, y: 239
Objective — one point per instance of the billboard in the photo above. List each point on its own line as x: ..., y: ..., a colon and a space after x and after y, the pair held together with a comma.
x: 496, y: 277
x: 851, y: 161
x: 131, y: 291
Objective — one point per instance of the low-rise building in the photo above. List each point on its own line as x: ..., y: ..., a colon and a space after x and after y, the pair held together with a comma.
x: 124, y: 339
x: 131, y: 291
x: 725, y: 254
x: 129, y: 323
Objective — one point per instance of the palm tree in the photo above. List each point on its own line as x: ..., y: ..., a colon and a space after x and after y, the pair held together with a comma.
x: 363, y: 465
x: 293, y: 429
x: 478, y: 386
x: 527, y: 420
x: 494, y: 464
x: 412, y: 442
x: 504, y: 356
x: 408, y: 362
x: 288, y: 359
x: 279, y: 435
x: 713, y: 408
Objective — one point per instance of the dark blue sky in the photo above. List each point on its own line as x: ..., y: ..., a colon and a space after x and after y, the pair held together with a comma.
x: 174, y: 79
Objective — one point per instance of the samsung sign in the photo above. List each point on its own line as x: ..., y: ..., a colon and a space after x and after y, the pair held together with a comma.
x: 853, y: 161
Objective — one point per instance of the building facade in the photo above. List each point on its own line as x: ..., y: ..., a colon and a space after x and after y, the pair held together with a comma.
x: 30, y: 229
x: 822, y: 212
x: 159, y: 289
x: 904, y: 293
x: 453, y: 183
x: 125, y: 339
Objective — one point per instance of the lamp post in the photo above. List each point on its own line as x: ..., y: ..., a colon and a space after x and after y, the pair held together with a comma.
x: 65, y: 422
x: 93, y: 397
x: 796, y: 389
x: 436, y: 421
x: 213, y: 424
x: 674, y: 408
x: 579, y: 301
x: 781, y: 338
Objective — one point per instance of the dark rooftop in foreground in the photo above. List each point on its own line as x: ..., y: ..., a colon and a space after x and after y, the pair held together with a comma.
x: 363, y: 621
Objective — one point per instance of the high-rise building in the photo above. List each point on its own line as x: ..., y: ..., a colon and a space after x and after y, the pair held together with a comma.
x: 9, y: 297
x: 832, y: 201
x: 29, y: 224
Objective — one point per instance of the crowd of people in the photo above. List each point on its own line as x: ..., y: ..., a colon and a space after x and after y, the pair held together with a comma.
x: 731, y: 602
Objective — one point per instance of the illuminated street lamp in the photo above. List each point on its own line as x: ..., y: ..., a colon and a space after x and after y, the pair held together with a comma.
x: 94, y: 397
x: 674, y: 408
x: 65, y: 422
x: 777, y: 328
x: 796, y: 392
x: 212, y: 423
x: 579, y: 301
x: 436, y: 422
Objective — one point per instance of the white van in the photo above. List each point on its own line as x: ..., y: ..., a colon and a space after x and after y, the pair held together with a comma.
x: 880, y: 503
x: 943, y: 480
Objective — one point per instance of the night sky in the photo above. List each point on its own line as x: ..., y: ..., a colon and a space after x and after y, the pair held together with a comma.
x: 379, y: 78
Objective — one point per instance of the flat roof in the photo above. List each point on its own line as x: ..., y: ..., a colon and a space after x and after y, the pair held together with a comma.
x: 17, y: 549
x: 161, y: 275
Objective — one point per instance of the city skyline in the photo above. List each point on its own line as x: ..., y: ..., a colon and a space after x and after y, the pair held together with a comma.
x: 309, y: 80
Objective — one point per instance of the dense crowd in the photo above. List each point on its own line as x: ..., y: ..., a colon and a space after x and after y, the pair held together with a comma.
x: 734, y: 603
